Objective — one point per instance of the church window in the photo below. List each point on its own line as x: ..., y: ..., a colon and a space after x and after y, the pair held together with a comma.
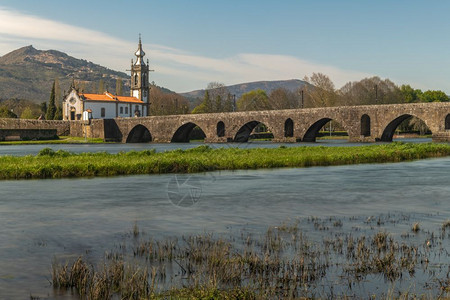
x: 136, y: 78
x: 102, y: 112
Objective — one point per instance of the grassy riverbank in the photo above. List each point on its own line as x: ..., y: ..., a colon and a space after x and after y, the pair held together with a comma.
x: 60, y: 140
x: 60, y: 164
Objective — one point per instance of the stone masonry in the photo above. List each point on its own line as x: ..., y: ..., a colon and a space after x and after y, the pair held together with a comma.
x: 363, y: 124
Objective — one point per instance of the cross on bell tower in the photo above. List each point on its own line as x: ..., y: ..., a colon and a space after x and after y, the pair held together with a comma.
x: 140, y: 87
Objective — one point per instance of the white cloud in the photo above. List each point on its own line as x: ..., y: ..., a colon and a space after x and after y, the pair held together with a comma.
x: 175, y: 68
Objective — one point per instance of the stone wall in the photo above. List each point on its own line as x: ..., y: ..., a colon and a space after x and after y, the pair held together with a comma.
x: 27, y: 134
x: 62, y: 127
x: 94, y: 129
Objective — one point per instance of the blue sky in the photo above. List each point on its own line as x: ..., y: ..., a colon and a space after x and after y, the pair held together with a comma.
x: 191, y: 43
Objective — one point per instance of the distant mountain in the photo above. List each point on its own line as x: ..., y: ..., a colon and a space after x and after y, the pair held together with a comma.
x: 28, y: 73
x: 239, y: 89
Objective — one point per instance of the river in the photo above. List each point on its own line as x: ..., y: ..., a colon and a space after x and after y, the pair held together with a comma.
x: 66, y: 218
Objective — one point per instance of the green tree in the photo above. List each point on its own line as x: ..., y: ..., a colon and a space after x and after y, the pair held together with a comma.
x: 27, y: 113
x: 419, y: 125
x: 51, y: 108
x: 205, y: 106
x: 410, y: 95
x: 119, y: 87
x: 6, y: 113
x: 434, y: 96
x: 58, y: 113
x: 254, y: 100
x: 228, y: 105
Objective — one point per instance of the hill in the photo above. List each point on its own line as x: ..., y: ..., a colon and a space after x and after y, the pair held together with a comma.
x: 240, y: 89
x: 28, y: 73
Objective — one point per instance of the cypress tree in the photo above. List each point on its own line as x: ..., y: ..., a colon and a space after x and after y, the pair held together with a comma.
x: 58, y: 113
x: 119, y: 87
x: 228, y: 106
x: 101, y: 86
x: 219, y: 104
x: 207, y: 102
x: 51, y: 108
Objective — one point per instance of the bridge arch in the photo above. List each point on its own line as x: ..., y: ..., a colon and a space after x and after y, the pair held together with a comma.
x: 139, y: 134
x: 288, y: 128
x: 389, y: 130
x: 365, y: 125
x: 244, y: 132
x: 220, y: 129
x: 313, y: 130
x: 447, y: 122
x: 184, y: 132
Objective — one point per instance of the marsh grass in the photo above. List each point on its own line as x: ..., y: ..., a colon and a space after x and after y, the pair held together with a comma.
x: 283, y: 263
x: 446, y: 225
x: 60, y: 164
x: 416, y: 227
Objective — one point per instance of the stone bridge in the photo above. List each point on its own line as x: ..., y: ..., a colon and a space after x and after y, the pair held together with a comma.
x: 363, y: 124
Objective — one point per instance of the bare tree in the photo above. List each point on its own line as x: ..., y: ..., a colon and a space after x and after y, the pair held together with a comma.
x: 370, y: 91
x: 167, y: 103
x: 282, y: 98
x: 218, y: 94
x: 322, y: 92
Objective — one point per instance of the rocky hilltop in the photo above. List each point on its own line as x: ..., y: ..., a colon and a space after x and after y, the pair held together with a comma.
x: 28, y: 73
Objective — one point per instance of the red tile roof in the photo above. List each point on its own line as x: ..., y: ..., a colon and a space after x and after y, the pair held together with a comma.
x: 110, y: 98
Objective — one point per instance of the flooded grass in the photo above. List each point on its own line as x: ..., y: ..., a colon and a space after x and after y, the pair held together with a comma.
x: 301, y: 259
x: 60, y: 164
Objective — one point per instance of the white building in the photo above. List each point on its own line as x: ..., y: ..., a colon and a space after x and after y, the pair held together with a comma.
x: 109, y: 106
x: 101, y: 106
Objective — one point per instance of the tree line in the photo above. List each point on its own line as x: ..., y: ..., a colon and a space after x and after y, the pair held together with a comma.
x: 319, y: 91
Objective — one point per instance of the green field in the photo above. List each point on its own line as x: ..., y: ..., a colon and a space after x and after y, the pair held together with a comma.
x: 61, y: 164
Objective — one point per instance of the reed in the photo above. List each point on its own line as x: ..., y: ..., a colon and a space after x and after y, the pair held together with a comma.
x: 283, y: 263
x: 61, y: 164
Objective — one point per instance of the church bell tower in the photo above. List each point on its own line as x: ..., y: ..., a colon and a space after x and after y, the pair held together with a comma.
x: 140, y: 87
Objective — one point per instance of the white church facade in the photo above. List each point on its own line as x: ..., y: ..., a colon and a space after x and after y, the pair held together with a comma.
x: 109, y: 106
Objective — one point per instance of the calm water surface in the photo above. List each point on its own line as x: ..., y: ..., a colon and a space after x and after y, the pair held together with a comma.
x: 66, y: 218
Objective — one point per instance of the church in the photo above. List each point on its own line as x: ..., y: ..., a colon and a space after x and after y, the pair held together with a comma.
x: 107, y: 105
